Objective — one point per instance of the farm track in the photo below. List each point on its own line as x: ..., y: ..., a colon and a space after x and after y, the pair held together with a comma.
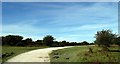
x: 39, y: 55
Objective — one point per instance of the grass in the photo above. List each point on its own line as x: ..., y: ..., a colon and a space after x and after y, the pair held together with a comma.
x: 81, y: 54
x: 0, y: 52
x: 17, y: 50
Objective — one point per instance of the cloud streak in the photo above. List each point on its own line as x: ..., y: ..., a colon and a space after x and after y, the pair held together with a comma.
x: 69, y: 21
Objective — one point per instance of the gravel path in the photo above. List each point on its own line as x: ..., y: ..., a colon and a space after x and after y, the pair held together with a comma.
x: 39, y: 55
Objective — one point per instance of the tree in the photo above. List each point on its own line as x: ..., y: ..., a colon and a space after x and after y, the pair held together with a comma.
x: 104, y: 38
x: 39, y: 42
x: 91, y: 43
x: 4, y: 41
x: 28, y: 41
x: 48, y: 40
x: 117, y: 41
x: 55, y: 44
x: 20, y: 43
x: 73, y: 43
x: 11, y: 40
x: 63, y: 43
x: 85, y: 43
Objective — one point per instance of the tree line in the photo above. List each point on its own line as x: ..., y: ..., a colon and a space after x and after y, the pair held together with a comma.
x: 103, y: 38
x: 48, y: 40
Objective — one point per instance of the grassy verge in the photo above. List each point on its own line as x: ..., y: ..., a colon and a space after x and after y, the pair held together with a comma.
x: 17, y: 50
x: 81, y: 54
x: 0, y: 52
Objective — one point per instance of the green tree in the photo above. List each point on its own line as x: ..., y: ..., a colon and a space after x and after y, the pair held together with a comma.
x: 11, y: 40
x: 55, y: 44
x: 28, y: 42
x: 39, y: 42
x: 48, y: 40
x: 117, y: 41
x: 104, y: 38
x: 85, y: 43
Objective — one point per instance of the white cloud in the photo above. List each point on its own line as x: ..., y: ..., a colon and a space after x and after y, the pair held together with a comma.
x: 97, y: 13
x: 23, y: 28
x: 82, y: 19
x: 88, y: 27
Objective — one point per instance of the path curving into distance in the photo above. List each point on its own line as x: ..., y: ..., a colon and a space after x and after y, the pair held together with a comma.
x: 39, y: 55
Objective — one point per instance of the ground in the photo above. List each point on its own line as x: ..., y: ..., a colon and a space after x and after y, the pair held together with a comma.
x: 73, y: 54
x: 17, y: 50
x: 81, y: 54
x: 38, y: 55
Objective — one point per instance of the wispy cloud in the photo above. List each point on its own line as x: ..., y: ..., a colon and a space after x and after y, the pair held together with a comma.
x: 76, y: 21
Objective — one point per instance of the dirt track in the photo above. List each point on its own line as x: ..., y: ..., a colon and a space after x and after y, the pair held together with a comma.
x: 39, y: 55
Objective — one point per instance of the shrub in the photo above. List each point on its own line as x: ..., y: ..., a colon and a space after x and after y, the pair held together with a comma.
x: 105, y: 38
x: 67, y: 58
x: 104, y: 48
x: 90, y: 50
x: 56, y: 56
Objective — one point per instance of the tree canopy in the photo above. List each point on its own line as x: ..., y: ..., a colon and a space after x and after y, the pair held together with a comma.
x: 104, y: 37
x: 48, y: 40
x: 11, y: 39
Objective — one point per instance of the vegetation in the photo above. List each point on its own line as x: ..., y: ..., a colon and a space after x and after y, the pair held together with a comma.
x: 11, y: 40
x: 85, y: 54
x: 48, y: 40
x: 10, y: 52
x: 15, y: 44
x: 117, y: 41
x: 16, y: 40
x: 105, y: 38
x: 108, y: 48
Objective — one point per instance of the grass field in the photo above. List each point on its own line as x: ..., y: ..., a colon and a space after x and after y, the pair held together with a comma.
x: 17, y: 50
x: 81, y: 54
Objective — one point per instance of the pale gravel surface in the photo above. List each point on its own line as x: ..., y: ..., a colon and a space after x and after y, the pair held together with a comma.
x: 39, y: 55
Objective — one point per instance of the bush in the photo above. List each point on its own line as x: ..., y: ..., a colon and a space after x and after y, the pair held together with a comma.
x: 104, y: 48
x: 105, y: 38
x: 90, y: 50
x: 56, y: 56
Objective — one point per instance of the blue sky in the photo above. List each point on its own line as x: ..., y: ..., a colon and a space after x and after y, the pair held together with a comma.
x: 70, y: 21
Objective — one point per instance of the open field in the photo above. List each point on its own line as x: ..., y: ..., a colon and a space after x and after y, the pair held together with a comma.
x: 81, y: 54
x: 17, y: 50
x: 73, y: 54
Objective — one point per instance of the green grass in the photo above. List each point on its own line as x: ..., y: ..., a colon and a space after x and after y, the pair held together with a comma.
x: 17, y: 50
x: 81, y: 54
x: 0, y: 52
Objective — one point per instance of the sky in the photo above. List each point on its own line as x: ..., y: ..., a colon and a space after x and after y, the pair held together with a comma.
x: 60, y: 0
x: 70, y: 21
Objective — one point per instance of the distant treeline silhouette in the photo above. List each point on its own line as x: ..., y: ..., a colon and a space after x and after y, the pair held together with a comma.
x: 48, y: 40
x: 103, y: 38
